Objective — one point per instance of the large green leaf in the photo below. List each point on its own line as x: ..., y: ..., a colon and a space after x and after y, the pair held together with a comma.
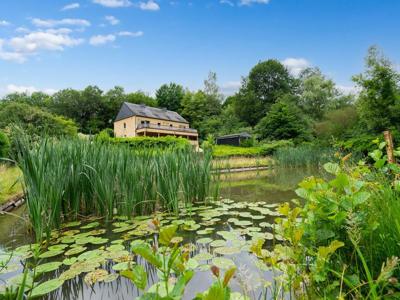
x: 145, y: 251
x: 48, y: 267
x: 167, y: 233
x: 181, y: 283
x: 46, y: 287
x: 137, y: 275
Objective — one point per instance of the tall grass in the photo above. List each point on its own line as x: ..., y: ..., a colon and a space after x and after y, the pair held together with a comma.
x: 303, y: 155
x: 68, y: 178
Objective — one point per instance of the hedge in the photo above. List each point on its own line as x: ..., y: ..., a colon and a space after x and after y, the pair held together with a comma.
x: 152, y: 142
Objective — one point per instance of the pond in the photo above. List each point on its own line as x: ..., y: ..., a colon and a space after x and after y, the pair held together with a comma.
x: 220, y: 234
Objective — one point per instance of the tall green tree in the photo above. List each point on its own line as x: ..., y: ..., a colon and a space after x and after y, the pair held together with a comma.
x: 170, y: 96
x: 317, y: 93
x: 283, y: 121
x: 379, y: 99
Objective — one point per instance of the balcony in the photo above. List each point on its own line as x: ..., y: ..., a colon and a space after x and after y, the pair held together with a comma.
x: 152, y: 128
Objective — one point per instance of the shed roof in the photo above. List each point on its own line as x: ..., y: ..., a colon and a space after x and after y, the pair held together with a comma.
x: 130, y: 109
x: 228, y: 136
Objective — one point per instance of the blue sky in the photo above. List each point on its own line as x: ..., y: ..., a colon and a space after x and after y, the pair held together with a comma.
x: 140, y: 44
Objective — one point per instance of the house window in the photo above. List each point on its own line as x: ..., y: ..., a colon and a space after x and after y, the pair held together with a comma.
x: 124, y: 125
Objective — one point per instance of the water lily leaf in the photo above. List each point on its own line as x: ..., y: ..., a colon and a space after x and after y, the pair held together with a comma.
x: 116, y: 247
x: 95, y: 276
x: 204, y: 231
x: 71, y: 232
x: 90, y: 225
x: 203, y: 256
x: 122, y: 266
x: 85, y: 266
x: 98, y: 240
x: 120, y: 241
x: 46, y: 287
x: 97, y: 232
x: 176, y: 240
x: 192, y: 263
x: 204, y: 240
x: 137, y: 275
x: 218, y: 243
x: 167, y: 233
x: 124, y: 228
x: 75, y: 250
x: 88, y: 255
x: 48, y: 267
x: 69, y: 274
x: 51, y: 253
x: 68, y: 240
x: 57, y: 247
x: 223, y: 263
x: 227, y: 235
x: 227, y: 250
x: 203, y: 268
x: 69, y: 261
x: 265, y: 225
x: 71, y: 224
x: 111, y: 277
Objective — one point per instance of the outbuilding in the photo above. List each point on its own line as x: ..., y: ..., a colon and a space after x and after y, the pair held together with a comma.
x: 233, y: 139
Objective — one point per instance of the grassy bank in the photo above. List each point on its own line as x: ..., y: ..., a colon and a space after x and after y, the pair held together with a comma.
x: 10, y: 184
x: 240, y: 162
x: 68, y: 178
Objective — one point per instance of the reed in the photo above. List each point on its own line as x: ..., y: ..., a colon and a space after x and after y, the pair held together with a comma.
x: 68, y: 178
x: 303, y: 155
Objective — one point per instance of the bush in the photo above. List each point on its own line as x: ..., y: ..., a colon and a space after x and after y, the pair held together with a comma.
x: 152, y: 142
x: 104, y: 135
x: 227, y: 151
x: 271, y: 147
x: 4, y: 145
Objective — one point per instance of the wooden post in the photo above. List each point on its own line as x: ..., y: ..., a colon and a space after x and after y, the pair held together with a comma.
x: 389, y: 146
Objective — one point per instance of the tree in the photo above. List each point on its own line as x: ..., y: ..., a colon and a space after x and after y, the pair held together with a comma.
x: 317, y: 93
x: 284, y: 121
x: 379, y: 101
x: 4, y: 145
x: 34, y: 121
x: 170, y: 96
x: 267, y: 81
x: 140, y: 97
x: 213, y: 94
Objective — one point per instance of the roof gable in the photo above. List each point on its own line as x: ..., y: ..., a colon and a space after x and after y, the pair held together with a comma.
x: 129, y: 109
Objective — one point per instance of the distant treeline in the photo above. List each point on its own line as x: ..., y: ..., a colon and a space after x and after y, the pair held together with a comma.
x: 271, y: 103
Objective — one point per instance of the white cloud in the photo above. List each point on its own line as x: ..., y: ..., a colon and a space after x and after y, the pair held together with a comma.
x: 63, y: 22
x: 71, y: 6
x: 250, y: 2
x: 4, y: 23
x: 22, y: 30
x: 149, y: 5
x: 12, y: 88
x: 295, y: 65
x: 228, y: 2
x: 230, y: 87
x: 113, y: 3
x: 98, y: 40
x: 42, y: 40
x: 131, y: 34
x: 112, y: 20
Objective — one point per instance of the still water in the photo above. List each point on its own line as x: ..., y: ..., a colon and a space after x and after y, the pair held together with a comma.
x: 248, y: 190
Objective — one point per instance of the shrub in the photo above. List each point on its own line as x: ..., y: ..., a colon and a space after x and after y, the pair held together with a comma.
x: 271, y: 147
x: 4, y: 145
x: 152, y: 142
x: 105, y: 135
x: 227, y: 151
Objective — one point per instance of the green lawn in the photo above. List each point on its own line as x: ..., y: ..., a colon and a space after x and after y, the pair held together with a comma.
x: 9, y: 182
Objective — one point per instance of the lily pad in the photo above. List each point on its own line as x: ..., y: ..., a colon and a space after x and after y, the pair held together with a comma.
x: 46, y: 287
x: 95, y: 276
x: 90, y: 225
x: 204, y: 240
x: 75, y: 250
x: 227, y: 250
x: 218, y: 243
x: 203, y: 256
x: 48, y: 267
x: 223, y: 263
x: 111, y: 277
x: 122, y: 266
x: 51, y: 253
x: 69, y: 261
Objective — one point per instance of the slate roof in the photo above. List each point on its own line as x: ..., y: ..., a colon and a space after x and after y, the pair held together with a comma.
x: 242, y: 135
x: 129, y: 109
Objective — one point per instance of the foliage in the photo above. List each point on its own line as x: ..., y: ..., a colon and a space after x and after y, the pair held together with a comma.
x: 69, y: 177
x: 143, y: 142
x: 302, y: 155
x: 269, y: 148
x: 379, y: 99
x: 317, y: 93
x: 10, y: 184
x: 170, y: 96
x: 227, y: 151
x: 4, y: 145
x: 34, y: 121
x: 284, y: 121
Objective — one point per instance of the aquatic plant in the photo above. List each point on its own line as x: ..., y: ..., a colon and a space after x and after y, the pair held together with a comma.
x: 67, y: 178
x: 303, y: 155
